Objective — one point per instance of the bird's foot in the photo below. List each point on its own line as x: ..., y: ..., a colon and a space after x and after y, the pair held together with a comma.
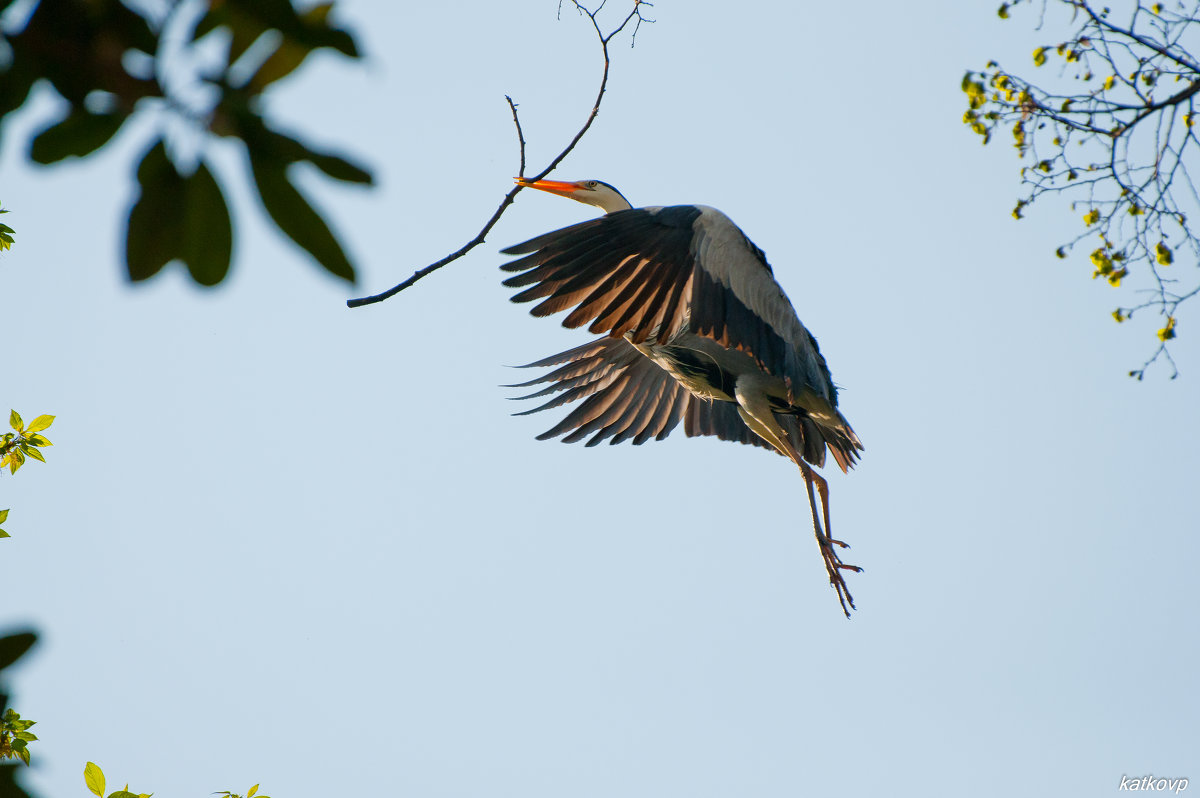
x: 834, y: 566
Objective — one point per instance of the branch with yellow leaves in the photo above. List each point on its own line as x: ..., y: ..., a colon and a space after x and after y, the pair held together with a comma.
x: 1111, y: 127
x: 635, y: 18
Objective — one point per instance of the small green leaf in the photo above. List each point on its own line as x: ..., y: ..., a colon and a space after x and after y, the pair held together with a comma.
x: 38, y: 440
x: 33, y: 452
x: 16, y: 459
x: 4, y: 534
x: 80, y: 133
x: 94, y: 777
x: 26, y: 736
x: 250, y: 792
x: 3, y: 516
x: 40, y: 423
x: 122, y: 794
x: 14, y: 421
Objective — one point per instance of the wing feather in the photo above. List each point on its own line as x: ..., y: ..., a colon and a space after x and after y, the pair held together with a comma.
x: 656, y: 272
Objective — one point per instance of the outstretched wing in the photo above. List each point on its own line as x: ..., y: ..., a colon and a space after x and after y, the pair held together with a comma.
x: 652, y: 273
x: 625, y: 395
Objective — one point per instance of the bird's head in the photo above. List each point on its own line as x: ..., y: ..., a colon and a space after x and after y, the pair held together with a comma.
x: 589, y: 192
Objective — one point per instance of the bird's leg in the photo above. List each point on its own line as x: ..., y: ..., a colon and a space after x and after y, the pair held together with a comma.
x: 755, y: 410
x: 833, y: 563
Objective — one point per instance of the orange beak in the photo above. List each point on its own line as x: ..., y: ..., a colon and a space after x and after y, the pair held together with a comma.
x: 558, y: 187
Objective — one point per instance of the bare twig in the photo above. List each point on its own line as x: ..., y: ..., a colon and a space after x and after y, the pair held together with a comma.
x: 635, y: 14
x: 520, y: 135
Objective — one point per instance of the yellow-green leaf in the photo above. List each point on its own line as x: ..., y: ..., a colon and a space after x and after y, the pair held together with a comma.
x: 14, y: 420
x: 1168, y: 332
x: 251, y: 791
x: 94, y: 777
x: 1003, y: 12
x: 1092, y: 216
x: 3, y: 516
x: 33, y: 452
x: 40, y: 423
x: 1039, y: 56
x: 1162, y: 254
x: 1109, y: 81
x: 1119, y: 315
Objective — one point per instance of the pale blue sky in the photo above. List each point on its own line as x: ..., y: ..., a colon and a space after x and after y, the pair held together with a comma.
x: 281, y: 541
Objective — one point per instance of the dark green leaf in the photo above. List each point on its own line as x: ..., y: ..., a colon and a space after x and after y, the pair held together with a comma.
x: 278, y: 65
x: 339, y: 168
x: 211, y: 20
x: 122, y: 794
x: 81, y: 133
x: 271, y: 145
x: 295, y: 217
x: 308, y: 29
x: 13, y: 647
x: 245, y: 29
x: 15, y: 83
x: 291, y: 53
x: 208, y: 234
x: 156, y: 229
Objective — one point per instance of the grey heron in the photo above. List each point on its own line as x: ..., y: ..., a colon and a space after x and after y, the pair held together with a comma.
x: 695, y: 329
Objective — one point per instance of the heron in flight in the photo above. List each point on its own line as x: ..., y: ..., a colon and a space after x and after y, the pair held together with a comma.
x: 695, y: 329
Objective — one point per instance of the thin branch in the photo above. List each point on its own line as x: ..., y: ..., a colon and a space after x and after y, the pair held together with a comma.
x: 1102, y: 23
x: 520, y: 135
x: 511, y: 195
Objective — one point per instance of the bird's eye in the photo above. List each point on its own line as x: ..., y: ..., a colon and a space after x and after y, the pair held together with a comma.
x: 592, y: 184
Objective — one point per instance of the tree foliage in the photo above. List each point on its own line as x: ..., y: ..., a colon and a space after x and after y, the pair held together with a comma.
x: 1109, y: 122
x: 6, y: 235
x: 22, y: 443
x: 201, y: 68
x: 14, y: 730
